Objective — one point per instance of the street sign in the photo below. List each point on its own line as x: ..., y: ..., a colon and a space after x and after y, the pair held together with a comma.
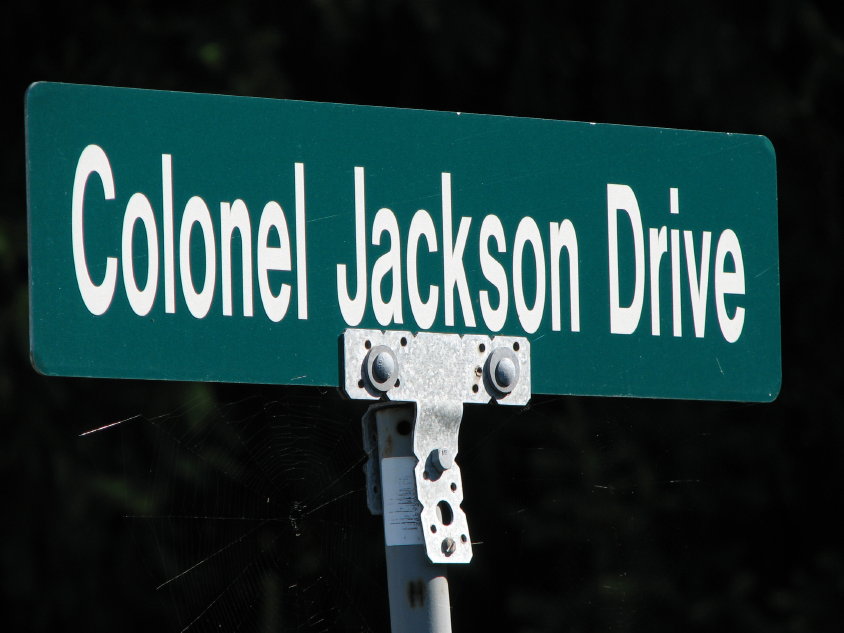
x: 184, y: 236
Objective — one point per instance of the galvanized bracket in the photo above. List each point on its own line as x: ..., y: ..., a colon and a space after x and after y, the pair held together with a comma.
x: 438, y: 373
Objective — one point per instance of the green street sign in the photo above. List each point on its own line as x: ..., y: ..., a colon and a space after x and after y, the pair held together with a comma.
x: 201, y: 237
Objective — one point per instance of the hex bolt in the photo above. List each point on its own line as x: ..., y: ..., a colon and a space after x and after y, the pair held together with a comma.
x: 449, y: 546
x: 442, y: 459
x: 503, y: 370
x: 382, y: 367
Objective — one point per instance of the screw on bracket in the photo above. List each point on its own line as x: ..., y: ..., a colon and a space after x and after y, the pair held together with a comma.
x: 382, y: 368
x: 503, y: 370
x: 442, y: 459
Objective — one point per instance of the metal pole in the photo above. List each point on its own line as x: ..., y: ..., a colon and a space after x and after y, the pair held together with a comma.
x: 418, y: 589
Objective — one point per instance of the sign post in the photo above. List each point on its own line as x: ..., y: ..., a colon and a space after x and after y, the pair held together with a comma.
x: 178, y: 236
x: 413, y: 479
x: 417, y: 587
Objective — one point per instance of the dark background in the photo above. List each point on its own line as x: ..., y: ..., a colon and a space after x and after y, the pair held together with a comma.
x: 592, y: 514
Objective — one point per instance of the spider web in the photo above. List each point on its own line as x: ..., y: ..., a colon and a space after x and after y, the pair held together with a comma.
x: 252, y: 514
x: 249, y: 511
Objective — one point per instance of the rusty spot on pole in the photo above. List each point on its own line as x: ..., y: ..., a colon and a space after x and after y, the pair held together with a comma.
x: 416, y: 594
x: 387, y: 450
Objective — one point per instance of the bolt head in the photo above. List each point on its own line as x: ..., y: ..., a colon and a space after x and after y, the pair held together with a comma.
x: 505, y: 372
x: 442, y: 458
x: 449, y: 546
x: 502, y: 370
x: 381, y: 367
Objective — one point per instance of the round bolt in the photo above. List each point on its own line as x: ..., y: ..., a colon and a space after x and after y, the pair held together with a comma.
x: 449, y: 546
x: 382, y: 367
x: 503, y: 370
x: 442, y: 459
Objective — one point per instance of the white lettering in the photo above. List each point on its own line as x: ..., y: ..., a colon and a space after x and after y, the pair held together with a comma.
x: 424, y: 313
x: 729, y: 283
x: 97, y: 298
x: 562, y: 235
x: 675, y: 283
x: 494, y: 273
x: 454, y: 273
x: 196, y: 212
x: 390, y: 262
x: 236, y: 216
x: 273, y: 258
x: 301, y: 243
x: 658, y: 239
x: 530, y: 318
x: 139, y: 208
x: 625, y: 320
x: 698, y: 287
x: 169, y: 258
x: 352, y: 309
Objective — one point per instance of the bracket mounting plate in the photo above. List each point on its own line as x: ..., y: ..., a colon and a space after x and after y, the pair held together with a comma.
x: 439, y: 373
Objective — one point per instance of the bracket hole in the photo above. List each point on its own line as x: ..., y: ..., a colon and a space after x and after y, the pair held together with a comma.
x: 360, y: 384
x: 398, y: 382
x: 403, y: 427
x: 433, y: 529
x: 453, y: 487
x: 463, y: 538
x: 481, y: 348
x: 474, y: 388
x: 403, y: 341
x: 445, y: 513
x: 367, y: 344
x: 516, y: 346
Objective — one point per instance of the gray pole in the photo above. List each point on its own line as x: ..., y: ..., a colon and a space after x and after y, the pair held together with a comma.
x: 418, y: 589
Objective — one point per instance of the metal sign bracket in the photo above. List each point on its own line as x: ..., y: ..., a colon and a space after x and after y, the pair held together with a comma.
x: 438, y: 373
